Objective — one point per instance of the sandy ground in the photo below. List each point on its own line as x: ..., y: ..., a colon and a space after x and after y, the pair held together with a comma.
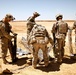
x: 23, y: 65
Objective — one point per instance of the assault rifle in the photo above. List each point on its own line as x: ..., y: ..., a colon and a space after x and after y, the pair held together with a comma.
x: 14, y: 48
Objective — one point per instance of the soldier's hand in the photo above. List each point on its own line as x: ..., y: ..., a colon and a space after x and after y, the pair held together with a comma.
x: 14, y: 34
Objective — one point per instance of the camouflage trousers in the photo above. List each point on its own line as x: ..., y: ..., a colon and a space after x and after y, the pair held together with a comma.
x: 36, y: 47
x: 59, y: 48
x: 5, y: 45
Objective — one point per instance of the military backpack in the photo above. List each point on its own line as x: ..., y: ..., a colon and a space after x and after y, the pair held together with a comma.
x: 38, y: 35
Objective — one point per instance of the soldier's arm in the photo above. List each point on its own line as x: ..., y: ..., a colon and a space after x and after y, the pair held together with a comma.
x: 12, y: 30
x: 30, y: 20
x: 2, y: 28
x: 54, y: 28
x: 13, y: 33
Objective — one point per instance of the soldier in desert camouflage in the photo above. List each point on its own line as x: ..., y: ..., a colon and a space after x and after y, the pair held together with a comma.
x: 31, y: 22
x: 59, y: 31
x: 39, y: 38
x: 74, y: 28
x: 70, y: 41
x: 6, y: 38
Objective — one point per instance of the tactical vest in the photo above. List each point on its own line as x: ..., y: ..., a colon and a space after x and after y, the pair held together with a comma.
x: 38, y: 35
x: 62, y: 27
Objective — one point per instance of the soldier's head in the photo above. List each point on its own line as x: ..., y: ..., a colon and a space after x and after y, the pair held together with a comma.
x: 36, y: 14
x: 9, y: 17
x: 59, y: 17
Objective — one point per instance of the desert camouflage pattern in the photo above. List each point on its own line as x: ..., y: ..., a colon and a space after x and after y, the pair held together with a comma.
x: 70, y: 40
x: 30, y: 24
x: 59, y: 15
x: 36, y: 14
x: 39, y: 38
x: 74, y: 27
x: 5, y: 39
x: 60, y: 29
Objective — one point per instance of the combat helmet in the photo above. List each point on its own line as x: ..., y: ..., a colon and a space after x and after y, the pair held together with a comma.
x: 36, y: 14
x: 9, y: 16
x: 59, y: 15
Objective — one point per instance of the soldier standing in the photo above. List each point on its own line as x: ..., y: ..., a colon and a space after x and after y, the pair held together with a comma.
x: 6, y: 43
x: 31, y: 22
x: 74, y: 27
x: 39, y: 38
x: 70, y: 41
x: 59, y: 31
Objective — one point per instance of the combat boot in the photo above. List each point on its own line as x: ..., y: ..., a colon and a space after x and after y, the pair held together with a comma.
x: 5, y: 61
x: 14, y: 60
x: 59, y: 60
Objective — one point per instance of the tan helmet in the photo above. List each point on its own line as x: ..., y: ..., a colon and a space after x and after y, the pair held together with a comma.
x: 36, y: 14
x: 9, y: 16
x: 59, y: 15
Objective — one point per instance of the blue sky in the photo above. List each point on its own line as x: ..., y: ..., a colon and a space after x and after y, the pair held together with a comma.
x: 22, y: 9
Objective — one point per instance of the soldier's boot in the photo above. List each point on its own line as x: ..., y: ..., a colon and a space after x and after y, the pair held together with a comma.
x: 46, y: 61
x: 46, y: 64
x: 55, y: 60
x: 5, y: 61
x: 59, y: 59
x: 62, y: 52
x: 14, y: 59
x: 34, y: 64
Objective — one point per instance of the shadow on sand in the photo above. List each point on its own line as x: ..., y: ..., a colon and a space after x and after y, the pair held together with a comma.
x: 69, y: 60
x: 51, y: 67
x: 56, y: 66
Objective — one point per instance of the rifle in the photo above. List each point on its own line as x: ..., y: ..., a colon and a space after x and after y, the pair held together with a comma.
x: 54, y: 40
x: 14, y: 48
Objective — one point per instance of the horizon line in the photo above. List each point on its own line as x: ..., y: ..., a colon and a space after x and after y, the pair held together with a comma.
x: 43, y: 20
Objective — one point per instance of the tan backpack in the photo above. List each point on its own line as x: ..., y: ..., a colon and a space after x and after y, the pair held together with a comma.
x: 62, y: 27
x: 38, y: 35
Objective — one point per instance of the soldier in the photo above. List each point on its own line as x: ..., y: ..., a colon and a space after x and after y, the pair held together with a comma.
x: 59, y: 31
x: 74, y: 27
x: 31, y: 22
x: 39, y: 38
x: 70, y: 41
x: 6, y: 43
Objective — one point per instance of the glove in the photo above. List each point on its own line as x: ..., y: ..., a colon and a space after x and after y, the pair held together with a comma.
x: 14, y: 34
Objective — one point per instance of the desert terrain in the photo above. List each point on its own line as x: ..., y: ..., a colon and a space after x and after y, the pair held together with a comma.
x: 23, y: 65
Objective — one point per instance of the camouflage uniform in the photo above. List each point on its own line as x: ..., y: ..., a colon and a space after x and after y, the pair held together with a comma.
x: 31, y: 22
x: 74, y: 27
x: 70, y: 41
x: 5, y: 29
x: 39, y: 38
x: 60, y: 29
